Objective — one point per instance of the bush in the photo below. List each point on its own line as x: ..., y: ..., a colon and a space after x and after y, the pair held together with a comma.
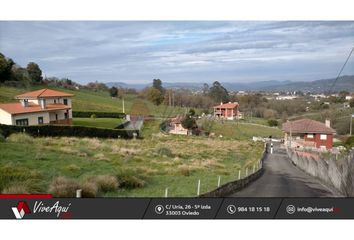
x: 63, y: 187
x: 98, y: 114
x: 349, y: 143
x: 2, y: 138
x: 107, y: 183
x: 20, y: 138
x: 130, y: 182
x: 273, y: 123
x: 93, y: 116
x: 72, y: 168
x: 89, y: 189
x: 63, y: 131
x: 164, y: 151
x: 10, y: 174
x: 15, y: 189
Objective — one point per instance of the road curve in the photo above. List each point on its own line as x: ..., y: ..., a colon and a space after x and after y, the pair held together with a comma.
x: 282, y: 179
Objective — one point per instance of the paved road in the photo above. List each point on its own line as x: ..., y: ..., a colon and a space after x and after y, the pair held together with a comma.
x: 282, y: 179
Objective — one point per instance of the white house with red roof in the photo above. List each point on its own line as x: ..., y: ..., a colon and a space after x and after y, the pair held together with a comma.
x: 43, y: 106
x: 308, y: 133
x: 228, y: 111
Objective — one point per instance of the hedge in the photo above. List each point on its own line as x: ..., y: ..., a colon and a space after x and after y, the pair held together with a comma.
x: 67, y: 131
x: 98, y: 114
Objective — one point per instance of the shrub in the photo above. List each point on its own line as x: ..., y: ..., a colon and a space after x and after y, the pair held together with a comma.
x: 98, y: 114
x: 63, y: 187
x: 65, y: 131
x: 164, y: 151
x: 2, y: 138
x: 350, y: 142
x: 273, y: 122
x: 15, y: 189
x: 10, y: 174
x: 93, y: 116
x: 73, y: 168
x: 89, y: 189
x: 20, y: 138
x: 130, y: 182
x: 107, y: 183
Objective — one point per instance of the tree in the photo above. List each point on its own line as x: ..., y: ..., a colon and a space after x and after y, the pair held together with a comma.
x: 19, y: 74
x: 207, y: 125
x: 351, y: 103
x: 157, y: 84
x: 5, y: 68
x: 273, y: 122
x: 191, y: 112
x: 188, y: 122
x: 113, y: 91
x: 155, y: 96
x: 205, y: 89
x: 218, y: 93
x: 34, y: 72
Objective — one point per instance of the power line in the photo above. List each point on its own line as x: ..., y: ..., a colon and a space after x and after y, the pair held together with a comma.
x: 340, y: 72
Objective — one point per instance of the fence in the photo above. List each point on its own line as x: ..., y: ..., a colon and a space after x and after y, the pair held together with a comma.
x: 336, y: 174
x: 243, y: 178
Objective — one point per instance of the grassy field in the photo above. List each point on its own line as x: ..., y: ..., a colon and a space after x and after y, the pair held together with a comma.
x: 87, y: 100
x: 98, y: 122
x: 141, y: 168
x: 243, y: 131
x: 151, y: 164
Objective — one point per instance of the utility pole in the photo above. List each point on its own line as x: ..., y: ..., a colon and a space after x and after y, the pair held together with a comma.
x: 123, y: 106
x: 291, y: 133
x: 351, y: 124
x: 173, y: 99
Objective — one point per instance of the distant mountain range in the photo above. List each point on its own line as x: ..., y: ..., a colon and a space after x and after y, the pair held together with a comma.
x: 319, y: 86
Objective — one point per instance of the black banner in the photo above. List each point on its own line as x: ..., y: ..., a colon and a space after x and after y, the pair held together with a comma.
x: 177, y: 208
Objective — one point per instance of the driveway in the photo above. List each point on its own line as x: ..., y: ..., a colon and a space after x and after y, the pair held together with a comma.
x: 282, y: 179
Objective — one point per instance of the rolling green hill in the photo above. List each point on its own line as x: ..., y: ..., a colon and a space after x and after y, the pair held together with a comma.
x: 87, y: 100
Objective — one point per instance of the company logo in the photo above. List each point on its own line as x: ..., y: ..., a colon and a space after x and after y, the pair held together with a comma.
x: 21, y: 209
x: 42, y: 208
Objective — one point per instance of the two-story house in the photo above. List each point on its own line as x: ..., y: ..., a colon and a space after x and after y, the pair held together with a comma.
x: 43, y: 106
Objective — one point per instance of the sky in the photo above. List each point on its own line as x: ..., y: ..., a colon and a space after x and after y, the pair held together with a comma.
x: 181, y: 51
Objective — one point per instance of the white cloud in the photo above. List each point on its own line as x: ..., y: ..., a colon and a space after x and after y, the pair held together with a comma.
x: 181, y: 51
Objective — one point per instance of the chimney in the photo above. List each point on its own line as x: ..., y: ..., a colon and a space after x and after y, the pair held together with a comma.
x: 328, y: 123
x: 42, y: 103
x: 220, y: 103
x: 24, y: 102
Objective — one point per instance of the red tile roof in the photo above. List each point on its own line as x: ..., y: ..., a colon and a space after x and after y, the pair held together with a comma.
x: 17, y: 108
x: 44, y: 93
x: 227, y: 105
x: 307, y: 126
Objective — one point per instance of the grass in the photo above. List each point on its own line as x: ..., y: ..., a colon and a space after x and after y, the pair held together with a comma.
x: 243, y: 131
x: 87, y: 100
x: 140, y: 167
x: 98, y: 122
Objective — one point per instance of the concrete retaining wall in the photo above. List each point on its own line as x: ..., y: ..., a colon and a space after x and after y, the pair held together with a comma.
x: 338, y: 175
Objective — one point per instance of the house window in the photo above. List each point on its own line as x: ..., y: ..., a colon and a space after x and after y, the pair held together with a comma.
x: 22, y: 122
x: 55, y: 101
x: 66, y: 115
x: 309, y: 135
x: 40, y: 120
x: 65, y: 101
x: 323, y: 137
x: 56, y: 117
